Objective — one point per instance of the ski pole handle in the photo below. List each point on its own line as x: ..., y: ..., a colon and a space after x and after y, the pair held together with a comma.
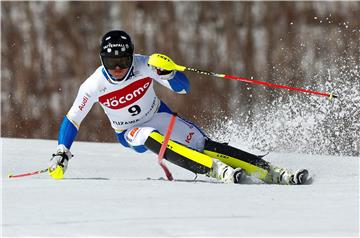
x: 28, y: 174
x: 164, y: 62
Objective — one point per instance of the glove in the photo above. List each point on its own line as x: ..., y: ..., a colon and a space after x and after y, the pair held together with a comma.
x: 59, y: 162
x: 162, y: 73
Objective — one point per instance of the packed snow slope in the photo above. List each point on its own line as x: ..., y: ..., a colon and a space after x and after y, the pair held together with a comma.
x: 112, y: 191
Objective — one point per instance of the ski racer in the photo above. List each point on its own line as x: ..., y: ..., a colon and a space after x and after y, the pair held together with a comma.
x: 123, y: 86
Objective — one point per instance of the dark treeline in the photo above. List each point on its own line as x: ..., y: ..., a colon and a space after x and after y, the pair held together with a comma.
x: 49, y: 48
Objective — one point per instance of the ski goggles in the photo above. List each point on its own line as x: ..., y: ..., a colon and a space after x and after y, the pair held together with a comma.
x: 121, y: 62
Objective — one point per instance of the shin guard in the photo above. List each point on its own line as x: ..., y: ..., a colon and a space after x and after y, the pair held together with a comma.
x: 253, y: 165
x: 180, y: 155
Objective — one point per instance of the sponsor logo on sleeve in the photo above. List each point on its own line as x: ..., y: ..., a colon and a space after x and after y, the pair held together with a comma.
x: 83, y: 103
x: 126, y: 96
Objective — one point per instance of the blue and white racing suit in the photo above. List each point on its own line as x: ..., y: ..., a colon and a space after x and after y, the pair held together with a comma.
x: 133, y: 108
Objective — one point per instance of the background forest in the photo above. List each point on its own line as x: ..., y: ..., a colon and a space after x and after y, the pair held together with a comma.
x: 49, y: 48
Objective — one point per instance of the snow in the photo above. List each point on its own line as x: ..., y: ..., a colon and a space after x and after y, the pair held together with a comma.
x: 112, y: 191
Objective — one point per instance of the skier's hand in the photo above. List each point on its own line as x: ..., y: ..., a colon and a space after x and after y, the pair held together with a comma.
x: 162, y: 73
x: 59, y: 162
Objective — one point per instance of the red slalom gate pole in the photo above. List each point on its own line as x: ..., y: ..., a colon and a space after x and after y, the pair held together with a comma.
x: 164, y: 145
x: 28, y: 174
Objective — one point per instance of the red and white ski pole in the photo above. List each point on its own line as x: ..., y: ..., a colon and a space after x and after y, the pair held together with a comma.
x: 164, y: 145
x: 164, y: 62
x: 28, y: 174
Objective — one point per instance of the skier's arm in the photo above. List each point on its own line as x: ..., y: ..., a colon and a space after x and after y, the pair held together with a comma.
x: 71, y: 122
x: 68, y: 131
x: 174, y: 80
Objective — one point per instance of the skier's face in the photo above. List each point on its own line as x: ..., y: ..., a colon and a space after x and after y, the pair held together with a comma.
x: 118, y: 72
x: 117, y: 66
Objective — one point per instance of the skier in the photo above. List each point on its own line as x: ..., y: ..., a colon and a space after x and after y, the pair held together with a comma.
x: 123, y: 85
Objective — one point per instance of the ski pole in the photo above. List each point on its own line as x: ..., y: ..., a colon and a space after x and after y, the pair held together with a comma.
x: 162, y: 61
x: 28, y: 174
x: 164, y: 145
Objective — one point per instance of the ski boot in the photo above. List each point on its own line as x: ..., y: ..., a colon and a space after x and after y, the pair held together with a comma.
x: 226, y: 173
x: 279, y: 175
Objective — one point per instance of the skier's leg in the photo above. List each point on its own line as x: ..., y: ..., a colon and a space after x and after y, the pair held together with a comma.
x: 190, y: 141
x: 182, y: 150
x: 148, y: 137
x: 253, y: 165
x: 193, y: 160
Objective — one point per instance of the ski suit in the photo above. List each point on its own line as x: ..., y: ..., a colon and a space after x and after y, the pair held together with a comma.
x: 133, y: 108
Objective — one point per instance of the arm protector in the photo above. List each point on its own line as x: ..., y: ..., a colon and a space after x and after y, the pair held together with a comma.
x: 67, y: 133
